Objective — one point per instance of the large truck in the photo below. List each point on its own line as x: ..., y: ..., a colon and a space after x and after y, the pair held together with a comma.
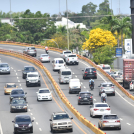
x: 128, y: 72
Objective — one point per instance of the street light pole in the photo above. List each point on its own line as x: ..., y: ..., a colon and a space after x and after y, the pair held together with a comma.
x: 10, y: 12
x: 53, y: 41
x: 67, y: 26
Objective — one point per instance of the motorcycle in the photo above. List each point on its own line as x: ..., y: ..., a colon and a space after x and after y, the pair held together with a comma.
x: 46, y: 51
x: 91, y: 87
x: 104, y: 100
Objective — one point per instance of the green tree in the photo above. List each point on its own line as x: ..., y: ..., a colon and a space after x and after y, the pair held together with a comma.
x: 104, y: 55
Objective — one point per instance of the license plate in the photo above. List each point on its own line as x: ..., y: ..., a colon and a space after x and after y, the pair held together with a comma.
x: 101, y: 109
x: 111, y: 126
x: 62, y: 127
x: 23, y: 129
x: 75, y: 87
x: 85, y: 98
x: 59, y: 66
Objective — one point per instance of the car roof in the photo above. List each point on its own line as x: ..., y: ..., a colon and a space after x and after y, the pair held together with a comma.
x: 3, y: 63
x: 85, y: 92
x: 10, y: 83
x: 62, y: 112
x: 33, y: 73
x: 75, y: 79
x: 17, y: 89
x: 23, y: 116
x: 43, y: 89
x: 106, y: 83
x: 100, y: 103
x: 89, y: 67
x: 58, y: 59
x: 65, y: 69
x: 29, y: 66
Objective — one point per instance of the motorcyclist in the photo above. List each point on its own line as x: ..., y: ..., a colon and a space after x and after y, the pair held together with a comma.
x: 91, y: 83
x: 46, y: 49
x: 103, y: 95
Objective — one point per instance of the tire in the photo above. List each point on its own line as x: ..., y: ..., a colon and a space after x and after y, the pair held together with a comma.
x: 90, y: 114
x: 31, y: 131
x: 26, y: 84
x: 71, y: 130
x: 35, y: 55
x: 83, y: 77
x: 11, y: 111
x: 15, y: 132
x: 9, y: 73
x: 78, y: 103
x: 23, y: 77
x: 52, y: 130
x: 37, y: 99
x: 69, y: 92
x: 99, y: 94
x: 39, y: 84
x: 119, y: 128
x: 77, y: 63
x: 98, y: 126
x: 91, y: 103
x: 26, y: 110
x: 96, y: 77
x: 113, y: 94
x: 5, y: 93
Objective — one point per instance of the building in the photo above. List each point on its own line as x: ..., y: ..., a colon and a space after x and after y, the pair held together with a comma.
x: 7, y: 20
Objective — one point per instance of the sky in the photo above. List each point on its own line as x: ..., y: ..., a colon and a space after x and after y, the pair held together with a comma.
x: 56, y: 6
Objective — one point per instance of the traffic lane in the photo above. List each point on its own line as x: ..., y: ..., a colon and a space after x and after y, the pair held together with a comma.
x: 32, y: 99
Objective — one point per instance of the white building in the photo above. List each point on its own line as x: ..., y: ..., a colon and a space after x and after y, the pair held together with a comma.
x: 71, y: 24
x: 7, y: 20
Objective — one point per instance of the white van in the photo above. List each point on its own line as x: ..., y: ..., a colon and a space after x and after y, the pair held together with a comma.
x: 65, y: 75
x: 58, y: 63
x: 105, y: 67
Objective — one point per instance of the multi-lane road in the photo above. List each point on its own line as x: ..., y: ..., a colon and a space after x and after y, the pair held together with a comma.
x: 41, y: 111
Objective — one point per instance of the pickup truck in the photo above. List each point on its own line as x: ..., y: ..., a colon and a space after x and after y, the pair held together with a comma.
x: 72, y: 59
x: 64, y: 54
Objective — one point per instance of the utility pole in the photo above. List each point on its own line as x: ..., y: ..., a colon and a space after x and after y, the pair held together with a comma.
x: 67, y: 25
x: 111, y: 8
x: 10, y: 13
x: 119, y: 6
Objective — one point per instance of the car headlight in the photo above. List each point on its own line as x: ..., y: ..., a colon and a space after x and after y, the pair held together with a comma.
x: 11, y: 97
x: 24, y: 106
x: 50, y: 96
x: 16, y: 125
x: 69, y: 122
x: 13, y: 106
x: 54, y: 124
x: 30, y: 125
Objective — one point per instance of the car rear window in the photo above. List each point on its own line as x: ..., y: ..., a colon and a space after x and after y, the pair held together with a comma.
x: 105, y: 67
x: 66, y: 73
x: 11, y: 86
x: 19, y: 101
x: 107, y: 85
x: 23, y: 119
x: 31, y: 48
x: 17, y: 92
x: 101, y: 105
x: 85, y: 94
x: 4, y: 65
x: 44, y: 55
x: 32, y: 75
x: 29, y: 68
x: 72, y: 56
x: 90, y: 69
x: 59, y: 61
x: 110, y: 117
x: 44, y: 91
x: 67, y: 52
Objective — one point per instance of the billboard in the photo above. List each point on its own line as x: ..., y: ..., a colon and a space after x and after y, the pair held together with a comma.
x: 119, y: 52
x: 128, y: 46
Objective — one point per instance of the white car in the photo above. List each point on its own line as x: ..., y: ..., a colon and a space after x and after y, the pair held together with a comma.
x: 74, y: 86
x: 98, y: 109
x: 72, y: 59
x: 44, y: 94
x: 44, y: 58
x: 105, y: 67
x: 58, y: 63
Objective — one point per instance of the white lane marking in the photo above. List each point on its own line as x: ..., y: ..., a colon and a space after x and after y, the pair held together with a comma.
x: 121, y: 119
x: 81, y: 83
x: 1, y: 132
x: 94, y: 99
x: 11, y: 67
x: 128, y: 124
x: 84, y: 87
x: 18, y: 81
x: 17, y: 77
x: 20, y: 84
x: 40, y: 129
x: 31, y: 113
x: 75, y: 75
x: 16, y: 73
x: 34, y: 118
x: 29, y: 110
x: 37, y: 123
x: 19, y: 70
x: 14, y: 70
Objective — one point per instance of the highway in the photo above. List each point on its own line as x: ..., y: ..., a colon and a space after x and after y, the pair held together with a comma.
x: 120, y: 104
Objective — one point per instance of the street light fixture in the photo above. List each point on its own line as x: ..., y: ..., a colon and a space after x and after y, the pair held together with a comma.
x: 53, y: 41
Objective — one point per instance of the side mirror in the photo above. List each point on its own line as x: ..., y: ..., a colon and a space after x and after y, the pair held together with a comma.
x: 52, y: 61
x: 13, y: 122
x: 32, y: 120
x: 82, y: 70
x: 109, y: 106
x: 71, y: 118
x: 25, y: 92
x: 50, y: 119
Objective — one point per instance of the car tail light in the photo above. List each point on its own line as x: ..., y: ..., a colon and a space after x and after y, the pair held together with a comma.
x: 105, y: 121
x: 79, y: 97
x: 108, y: 109
x: 68, y: 59
x: 28, y: 50
x: 77, y: 58
x: 85, y: 72
x: 34, y: 50
x: 41, y: 58
x: 117, y: 121
x: 95, y: 109
x: 94, y: 71
x: 91, y: 97
x: 49, y: 57
x: 102, y: 87
x: 112, y: 87
x: 131, y: 83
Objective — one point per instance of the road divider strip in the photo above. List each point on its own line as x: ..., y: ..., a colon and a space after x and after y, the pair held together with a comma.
x: 81, y: 118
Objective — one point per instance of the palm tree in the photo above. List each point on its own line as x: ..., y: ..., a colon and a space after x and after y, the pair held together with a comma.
x: 61, y: 29
x: 120, y: 24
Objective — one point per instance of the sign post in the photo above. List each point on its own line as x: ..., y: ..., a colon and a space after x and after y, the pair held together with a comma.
x: 119, y: 52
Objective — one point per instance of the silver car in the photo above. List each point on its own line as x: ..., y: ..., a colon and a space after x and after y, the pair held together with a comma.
x: 4, y: 68
x: 108, y: 87
x: 109, y: 121
x: 44, y: 58
x: 30, y: 51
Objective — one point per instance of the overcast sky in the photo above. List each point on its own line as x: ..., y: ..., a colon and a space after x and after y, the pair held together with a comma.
x: 52, y: 6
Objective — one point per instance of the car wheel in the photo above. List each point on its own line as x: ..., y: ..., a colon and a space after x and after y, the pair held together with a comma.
x: 11, y: 111
x: 96, y: 77
x: 5, y: 93
x: 77, y: 63
x: 37, y: 99
x: 52, y: 130
x: 98, y: 126
x: 39, y: 84
x: 23, y: 77
x: 9, y: 73
x: 90, y: 114
x: 35, y: 55
x: 113, y: 94
x: 26, y: 110
x: 91, y: 103
x: 71, y: 130
x: 99, y: 94
x: 69, y: 92
x: 15, y: 132
x: 83, y: 77
x: 27, y: 85
x: 119, y: 128
x: 78, y: 103
x: 31, y: 131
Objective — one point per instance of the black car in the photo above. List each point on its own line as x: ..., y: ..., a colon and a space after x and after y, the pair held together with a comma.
x: 23, y: 123
x: 26, y: 70
x: 18, y: 104
x: 17, y: 93
x: 85, y: 98
x: 89, y: 72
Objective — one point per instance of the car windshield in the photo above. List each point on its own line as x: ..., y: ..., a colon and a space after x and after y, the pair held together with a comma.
x: 32, y: 48
x: 18, y: 101
x: 60, y: 116
x: 44, y: 55
x: 110, y: 117
x: 101, y: 105
x: 72, y: 56
x: 17, y: 92
x: 105, y: 67
x: 32, y: 75
x: 59, y: 61
x: 4, y: 65
x: 44, y: 91
x: 23, y: 119
x: 107, y: 85
x: 67, y: 52
x: 90, y: 69
x: 29, y: 69
x: 66, y: 73
x: 11, y: 86
x: 85, y: 94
